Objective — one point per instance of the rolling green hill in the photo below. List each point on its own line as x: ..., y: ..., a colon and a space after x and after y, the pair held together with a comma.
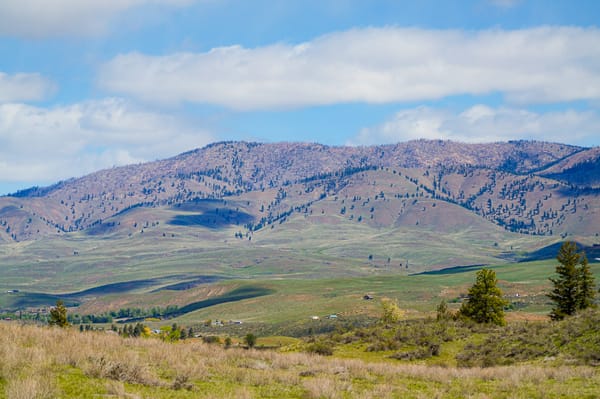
x: 215, y: 219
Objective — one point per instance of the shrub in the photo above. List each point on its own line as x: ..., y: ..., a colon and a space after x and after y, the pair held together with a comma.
x: 128, y: 370
x: 418, y: 354
x: 211, y: 339
x: 442, y: 311
x: 250, y: 340
x: 391, y: 312
x: 321, y: 348
x: 182, y: 382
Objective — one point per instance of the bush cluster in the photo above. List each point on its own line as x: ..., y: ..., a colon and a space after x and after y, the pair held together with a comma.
x: 574, y: 340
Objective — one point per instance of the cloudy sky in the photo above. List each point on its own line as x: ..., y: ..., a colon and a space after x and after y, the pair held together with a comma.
x: 91, y: 84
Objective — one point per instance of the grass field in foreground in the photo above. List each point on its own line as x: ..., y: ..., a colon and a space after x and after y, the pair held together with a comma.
x: 37, y: 363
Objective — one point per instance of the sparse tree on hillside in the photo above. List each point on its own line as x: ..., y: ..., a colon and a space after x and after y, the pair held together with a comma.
x: 485, y: 303
x: 250, y: 340
x: 58, y: 315
x: 574, y: 287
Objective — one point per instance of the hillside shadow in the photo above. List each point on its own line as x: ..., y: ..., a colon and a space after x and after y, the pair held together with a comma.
x: 235, y: 295
x: 211, y: 220
x: 186, y: 285
x: 451, y: 270
x: 114, y: 288
x: 212, y: 214
x: 24, y: 299
x: 551, y: 251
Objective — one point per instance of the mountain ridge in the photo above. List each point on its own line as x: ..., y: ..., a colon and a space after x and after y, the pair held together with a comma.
x: 460, y: 173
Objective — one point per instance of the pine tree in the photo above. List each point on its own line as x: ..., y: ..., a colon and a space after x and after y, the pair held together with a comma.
x: 485, y: 303
x: 587, y: 291
x: 58, y: 315
x: 137, y: 331
x: 574, y: 287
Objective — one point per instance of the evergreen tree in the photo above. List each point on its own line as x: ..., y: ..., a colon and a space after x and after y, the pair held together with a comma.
x: 250, y: 340
x: 485, y: 303
x: 587, y: 292
x: 574, y: 287
x: 137, y: 331
x: 58, y: 315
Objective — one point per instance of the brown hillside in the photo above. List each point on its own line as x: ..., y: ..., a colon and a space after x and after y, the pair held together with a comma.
x: 274, y: 181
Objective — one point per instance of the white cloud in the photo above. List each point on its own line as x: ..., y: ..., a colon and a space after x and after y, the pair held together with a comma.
x: 24, y: 87
x: 45, y: 145
x: 42, y: 18
x: 547, y: 64
x: 481, y: 123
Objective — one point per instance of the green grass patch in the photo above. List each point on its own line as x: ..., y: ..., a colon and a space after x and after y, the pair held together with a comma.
x: 73, y: 383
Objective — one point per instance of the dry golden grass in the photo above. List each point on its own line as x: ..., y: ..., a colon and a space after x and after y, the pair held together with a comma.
x: 34, y: 357
x: 35, y: 387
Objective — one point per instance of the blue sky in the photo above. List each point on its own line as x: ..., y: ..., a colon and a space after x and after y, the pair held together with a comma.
x: 86, y: 85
